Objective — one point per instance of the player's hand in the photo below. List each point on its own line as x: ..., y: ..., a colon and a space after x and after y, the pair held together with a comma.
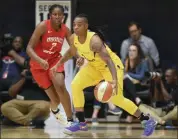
x: 80, y: 61
x: 23, y: 73
x: 115, y: 87
x: 44, y: 64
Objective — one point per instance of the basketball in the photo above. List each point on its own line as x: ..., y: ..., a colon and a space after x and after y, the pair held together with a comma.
x: 103, y: 91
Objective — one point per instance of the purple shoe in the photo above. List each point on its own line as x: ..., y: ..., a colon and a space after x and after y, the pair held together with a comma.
x: 116, y: 111
x: 75, y: 126
x: 149, y: 127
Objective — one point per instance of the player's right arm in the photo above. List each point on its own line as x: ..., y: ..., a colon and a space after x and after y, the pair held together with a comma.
x: 39, y: 31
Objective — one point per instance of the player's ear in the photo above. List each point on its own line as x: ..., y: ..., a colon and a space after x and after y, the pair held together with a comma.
x: 86, y: 26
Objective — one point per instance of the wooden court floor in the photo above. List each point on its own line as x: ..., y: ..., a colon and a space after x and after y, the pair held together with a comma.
x: 54, y: 130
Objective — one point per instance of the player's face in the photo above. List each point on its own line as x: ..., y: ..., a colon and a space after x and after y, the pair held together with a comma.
x: 80, y: 26
x: 133, y: 52
x: 57, y: 16
x: 134, y: 32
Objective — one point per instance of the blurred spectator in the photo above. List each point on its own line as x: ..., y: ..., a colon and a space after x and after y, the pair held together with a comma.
x: 10, y: 69
x: 167, y: 91
x: 147, y: 44
x: 30, y: 102
x: 135, y: 67
x: 17, y: 44
x: 6, y: 49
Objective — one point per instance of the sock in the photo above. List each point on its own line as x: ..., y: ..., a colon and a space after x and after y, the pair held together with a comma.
x: 143, y: 117
x: 55, y: 111
x: 80, y: 116
x: 70, y: 119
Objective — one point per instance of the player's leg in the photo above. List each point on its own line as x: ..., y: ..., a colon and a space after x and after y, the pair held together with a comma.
x: 127, y: 104
x: 86, y: 77
x: 59, y: 84
x: 52, y: 94
x: 58, y: 81
x: 119, y: 100
x: 42, y: 78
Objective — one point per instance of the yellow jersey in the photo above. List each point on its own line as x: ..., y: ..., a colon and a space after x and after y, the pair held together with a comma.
x: 94, y: 59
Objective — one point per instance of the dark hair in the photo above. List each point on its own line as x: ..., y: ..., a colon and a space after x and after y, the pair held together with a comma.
x: 56, y: 6
x: 84, y: 16
x: 98, y: 29
x: 139, y: 58
x: 140, y: 52
x: 134, y: 23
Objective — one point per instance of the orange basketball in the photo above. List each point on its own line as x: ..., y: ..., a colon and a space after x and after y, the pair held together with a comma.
x: 103, y: 91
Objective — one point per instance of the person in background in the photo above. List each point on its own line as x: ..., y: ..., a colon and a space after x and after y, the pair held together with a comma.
x: 30, y: 102
x: 135, y: 67
x: 166, y: 97
x: 17, y: 45
x: 147, y: 44
x: 7, y: 53
x: 12, y: 63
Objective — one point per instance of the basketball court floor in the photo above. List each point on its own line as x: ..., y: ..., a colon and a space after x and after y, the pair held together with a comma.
x: 103, y: 130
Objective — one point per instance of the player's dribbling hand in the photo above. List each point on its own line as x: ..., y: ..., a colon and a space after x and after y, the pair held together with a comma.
x: 44, y: 64
x: 115, y: 87
x: 80, y: 61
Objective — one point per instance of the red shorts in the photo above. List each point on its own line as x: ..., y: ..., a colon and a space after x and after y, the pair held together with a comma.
x: 43, y: 77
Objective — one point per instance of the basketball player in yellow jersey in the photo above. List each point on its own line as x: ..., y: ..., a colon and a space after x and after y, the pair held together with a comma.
x: 103, y: 64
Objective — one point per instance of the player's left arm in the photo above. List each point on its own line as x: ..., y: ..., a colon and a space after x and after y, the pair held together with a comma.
x: 97, y: 46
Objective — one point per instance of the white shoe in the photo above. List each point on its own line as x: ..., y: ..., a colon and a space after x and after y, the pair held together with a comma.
x: 61, y: 118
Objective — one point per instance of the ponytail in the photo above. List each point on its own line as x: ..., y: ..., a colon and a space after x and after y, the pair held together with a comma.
x: 99, y: 31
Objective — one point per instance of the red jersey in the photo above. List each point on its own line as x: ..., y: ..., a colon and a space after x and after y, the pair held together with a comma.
x: 50, y: 44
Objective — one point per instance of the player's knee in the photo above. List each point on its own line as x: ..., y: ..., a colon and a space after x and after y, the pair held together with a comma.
x: 58, y: 80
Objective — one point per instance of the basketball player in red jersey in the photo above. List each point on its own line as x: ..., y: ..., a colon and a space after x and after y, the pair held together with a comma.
x: 44, y: 50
